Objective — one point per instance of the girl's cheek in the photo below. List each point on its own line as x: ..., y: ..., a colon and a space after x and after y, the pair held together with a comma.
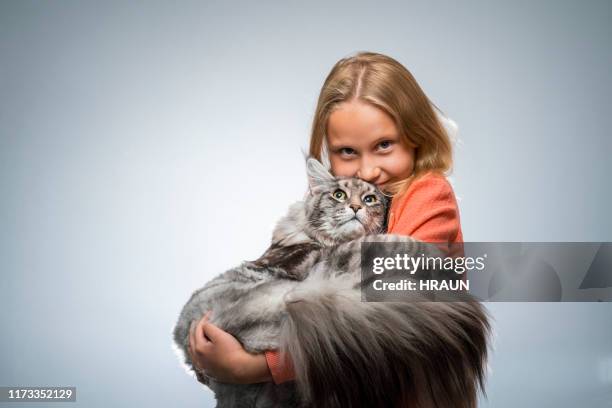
x: 404, y: 163
x: 406, y: 171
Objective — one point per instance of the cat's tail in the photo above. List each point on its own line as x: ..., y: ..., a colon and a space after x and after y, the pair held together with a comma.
x: 349, y: 353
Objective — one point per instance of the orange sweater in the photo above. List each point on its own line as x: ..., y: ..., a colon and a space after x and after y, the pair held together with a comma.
x: 427, y: 211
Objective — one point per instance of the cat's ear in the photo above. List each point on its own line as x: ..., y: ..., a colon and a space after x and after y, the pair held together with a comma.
x: 318, y: 176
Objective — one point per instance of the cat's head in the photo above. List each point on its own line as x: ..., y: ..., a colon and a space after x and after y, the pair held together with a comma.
x: 340, y: 209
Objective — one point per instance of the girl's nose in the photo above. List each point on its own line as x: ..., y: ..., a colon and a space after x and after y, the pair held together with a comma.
x: 368, y: 173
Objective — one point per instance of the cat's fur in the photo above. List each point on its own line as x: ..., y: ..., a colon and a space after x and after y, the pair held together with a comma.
x: 302, y: 296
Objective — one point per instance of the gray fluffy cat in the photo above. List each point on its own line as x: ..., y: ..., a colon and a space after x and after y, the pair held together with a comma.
x: 303, y: 296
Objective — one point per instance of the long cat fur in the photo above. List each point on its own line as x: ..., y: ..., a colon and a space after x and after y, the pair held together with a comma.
x: 303, y: 297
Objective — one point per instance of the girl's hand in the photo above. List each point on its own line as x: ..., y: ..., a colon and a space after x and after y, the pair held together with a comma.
x: 222, y: 357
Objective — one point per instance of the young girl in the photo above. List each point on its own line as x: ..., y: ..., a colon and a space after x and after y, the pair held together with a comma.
x: 372, y: 121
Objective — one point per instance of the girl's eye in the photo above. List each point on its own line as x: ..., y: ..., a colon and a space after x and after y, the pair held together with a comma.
x: 384, y: 145
x: 339, y: 195
x: 370, y: 199
x: 346, y: 151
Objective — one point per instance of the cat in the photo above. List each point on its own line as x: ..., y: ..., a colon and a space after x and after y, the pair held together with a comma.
x: 303, y: 296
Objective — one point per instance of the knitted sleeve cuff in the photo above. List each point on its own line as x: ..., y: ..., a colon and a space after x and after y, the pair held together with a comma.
x: 281, y: 371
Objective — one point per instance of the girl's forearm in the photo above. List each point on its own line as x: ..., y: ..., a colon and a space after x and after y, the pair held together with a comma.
x: 253, y: 368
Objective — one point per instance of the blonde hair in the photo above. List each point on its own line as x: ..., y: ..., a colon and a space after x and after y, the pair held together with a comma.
x: 386, y: 84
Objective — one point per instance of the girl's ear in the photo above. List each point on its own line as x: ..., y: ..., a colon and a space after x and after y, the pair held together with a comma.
x: 318, y: 176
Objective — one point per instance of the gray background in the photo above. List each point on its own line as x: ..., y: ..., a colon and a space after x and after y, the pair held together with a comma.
x: 147, y: 146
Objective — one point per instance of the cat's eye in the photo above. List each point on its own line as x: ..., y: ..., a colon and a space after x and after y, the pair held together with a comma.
x: 370, y: 199
x: 339, y: 195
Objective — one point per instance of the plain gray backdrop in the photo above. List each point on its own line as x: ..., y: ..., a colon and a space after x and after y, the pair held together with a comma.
x: 147, y: 146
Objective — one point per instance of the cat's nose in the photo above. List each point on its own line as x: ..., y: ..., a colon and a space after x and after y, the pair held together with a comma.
x: 355, y: 207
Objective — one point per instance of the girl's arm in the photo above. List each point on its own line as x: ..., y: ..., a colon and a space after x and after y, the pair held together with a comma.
x: 223, y: 358
x: 427, y: 211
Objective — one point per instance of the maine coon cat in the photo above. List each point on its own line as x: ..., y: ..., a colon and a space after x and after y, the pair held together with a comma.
x: 303, y: 296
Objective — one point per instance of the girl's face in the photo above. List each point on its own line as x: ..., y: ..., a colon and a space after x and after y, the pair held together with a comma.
x: 364, y: 142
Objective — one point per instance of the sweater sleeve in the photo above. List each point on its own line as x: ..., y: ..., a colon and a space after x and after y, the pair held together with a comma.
x: 427, y: 211
x: 281, y: 371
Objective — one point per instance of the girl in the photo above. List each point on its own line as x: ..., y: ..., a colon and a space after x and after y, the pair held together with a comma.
x: 372, y: 121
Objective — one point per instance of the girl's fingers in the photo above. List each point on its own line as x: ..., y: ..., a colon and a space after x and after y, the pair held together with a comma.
x: 213, y: 332
x: 196, y: 333
x: 199, y: 336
